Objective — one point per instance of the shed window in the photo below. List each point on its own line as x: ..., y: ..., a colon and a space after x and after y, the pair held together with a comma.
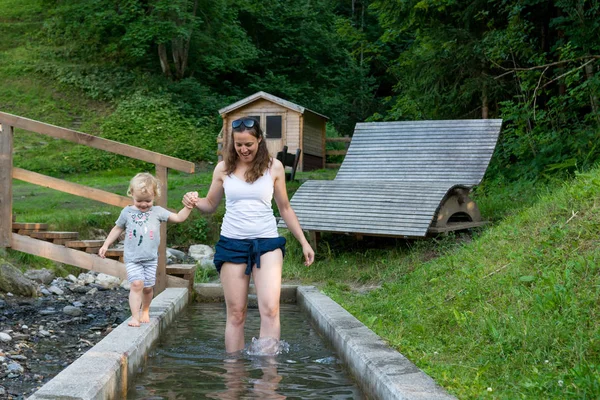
x: 273, y: 126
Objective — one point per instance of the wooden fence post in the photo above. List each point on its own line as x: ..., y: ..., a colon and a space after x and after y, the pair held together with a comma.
x: 161, y: 270
x: 6, y: 165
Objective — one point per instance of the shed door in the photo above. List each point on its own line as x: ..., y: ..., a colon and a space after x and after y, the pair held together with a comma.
x: 274, y: 126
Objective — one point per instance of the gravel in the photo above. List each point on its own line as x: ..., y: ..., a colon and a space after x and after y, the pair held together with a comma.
x: 41, y: 336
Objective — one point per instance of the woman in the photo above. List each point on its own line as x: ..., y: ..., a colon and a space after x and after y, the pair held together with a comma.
x: 249, y: 243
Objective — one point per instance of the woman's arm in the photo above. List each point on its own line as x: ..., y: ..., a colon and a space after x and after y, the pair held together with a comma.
x: 287, y: 213
x: 209, y: 203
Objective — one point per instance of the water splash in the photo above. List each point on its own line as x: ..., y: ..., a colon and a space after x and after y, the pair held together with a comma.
x: 267, y: 346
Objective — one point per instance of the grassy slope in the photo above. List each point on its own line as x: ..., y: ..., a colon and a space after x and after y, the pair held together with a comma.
x: 28, y: 94
x: 512, y: 314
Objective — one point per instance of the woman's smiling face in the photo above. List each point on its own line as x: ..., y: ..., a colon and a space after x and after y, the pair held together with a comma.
x: 246, y: 145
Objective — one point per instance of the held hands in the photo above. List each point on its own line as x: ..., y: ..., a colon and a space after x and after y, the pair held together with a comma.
x: 309, y: 254
x: 190, y: 199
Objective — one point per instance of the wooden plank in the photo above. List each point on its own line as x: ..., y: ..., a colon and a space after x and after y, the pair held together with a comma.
x: 161, y: 272
x: 455, y: 226
x: 96, y: 142
x: 27, y: 232
x: 55, y: 235
x: 71, y: 188
x: 336, y: 152
x: 6, y: 166
x: 58, y: 241
x: 338, y: 139
x: 175, y: 282
x: 181, y: 269
x: 114, y: 253
x: 68, y: 256
x: 30, y: 225
x: 84, y: 243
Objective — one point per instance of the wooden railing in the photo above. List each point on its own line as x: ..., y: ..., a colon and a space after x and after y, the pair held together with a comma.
x: 8, y: 123
x: 346, y: 140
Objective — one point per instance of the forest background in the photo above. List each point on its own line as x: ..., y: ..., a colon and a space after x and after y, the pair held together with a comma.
x: 154, y: 73
x: 532, y: 63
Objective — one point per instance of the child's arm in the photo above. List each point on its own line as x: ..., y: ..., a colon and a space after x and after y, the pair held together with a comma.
x: 181, y: 216
x: 112, y: 236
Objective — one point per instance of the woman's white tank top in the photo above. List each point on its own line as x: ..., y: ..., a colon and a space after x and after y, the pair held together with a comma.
x: 248, y: 211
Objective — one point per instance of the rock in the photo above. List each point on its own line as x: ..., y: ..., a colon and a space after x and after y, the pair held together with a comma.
x: 108, y: 281
x: 43, y: 276
x: 5, y: 337
x: 175, y: 256
x: 72, y: 278
x: 12, y: 280
x: 125, y: 284
x: 15, y: 368
x: 87, y: 278
x: 56, y: 290
x: 203, y: 254
x: 72, y: 311
x: 2, y: 303
x: 75, y: 288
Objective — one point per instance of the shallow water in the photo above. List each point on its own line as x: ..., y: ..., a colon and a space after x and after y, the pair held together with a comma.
x: 190, y: 362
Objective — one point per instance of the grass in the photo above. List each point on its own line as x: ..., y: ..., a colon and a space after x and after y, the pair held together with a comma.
x: 510, y: 314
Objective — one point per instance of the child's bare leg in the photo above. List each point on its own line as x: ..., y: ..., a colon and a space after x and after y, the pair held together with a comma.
x: 147, y: 295
x: 135, y: 302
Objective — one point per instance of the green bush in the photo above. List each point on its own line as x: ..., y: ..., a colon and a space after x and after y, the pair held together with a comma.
x: 152, y: 123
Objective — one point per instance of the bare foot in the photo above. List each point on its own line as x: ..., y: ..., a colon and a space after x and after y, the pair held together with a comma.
x: 134, y: 322
x: 145, y: 317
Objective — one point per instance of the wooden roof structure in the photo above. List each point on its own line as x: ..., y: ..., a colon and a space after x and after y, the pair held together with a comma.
x: 403, y: 178
x: 267, y: 96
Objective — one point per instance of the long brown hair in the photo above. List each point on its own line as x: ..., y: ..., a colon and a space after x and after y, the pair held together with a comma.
x: 261, y: 159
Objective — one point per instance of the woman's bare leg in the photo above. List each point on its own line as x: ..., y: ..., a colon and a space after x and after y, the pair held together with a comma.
x: 235, y: 288
x: 267, y: 280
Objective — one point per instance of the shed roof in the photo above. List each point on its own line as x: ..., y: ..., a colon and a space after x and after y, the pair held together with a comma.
x: 269, y: 97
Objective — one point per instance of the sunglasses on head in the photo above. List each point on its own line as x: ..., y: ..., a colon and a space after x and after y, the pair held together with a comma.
x: 247, y: 122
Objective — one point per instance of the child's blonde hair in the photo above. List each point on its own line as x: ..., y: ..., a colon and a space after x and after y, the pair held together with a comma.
x: 144, y: 183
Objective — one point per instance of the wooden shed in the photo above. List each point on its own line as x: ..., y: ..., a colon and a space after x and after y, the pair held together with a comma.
x: 285, y: 124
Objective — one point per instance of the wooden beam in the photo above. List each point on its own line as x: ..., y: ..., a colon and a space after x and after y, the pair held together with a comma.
x: 6, y: 165
x: 456, y: 226
x: 336, y: 152
x: 345, y: 139
x: 71, y: 188
x: 175, y: 282
x: 96, y: 142
x: 161, y: 270
x: 68, y: 256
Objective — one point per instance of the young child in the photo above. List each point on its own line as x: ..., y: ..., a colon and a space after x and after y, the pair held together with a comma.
x: 141, y: 223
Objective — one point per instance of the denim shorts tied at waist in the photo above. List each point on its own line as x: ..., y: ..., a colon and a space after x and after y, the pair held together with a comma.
x: 245, y: 251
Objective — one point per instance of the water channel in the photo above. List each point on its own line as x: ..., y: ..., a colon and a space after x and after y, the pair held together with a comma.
x: 190, y: 362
